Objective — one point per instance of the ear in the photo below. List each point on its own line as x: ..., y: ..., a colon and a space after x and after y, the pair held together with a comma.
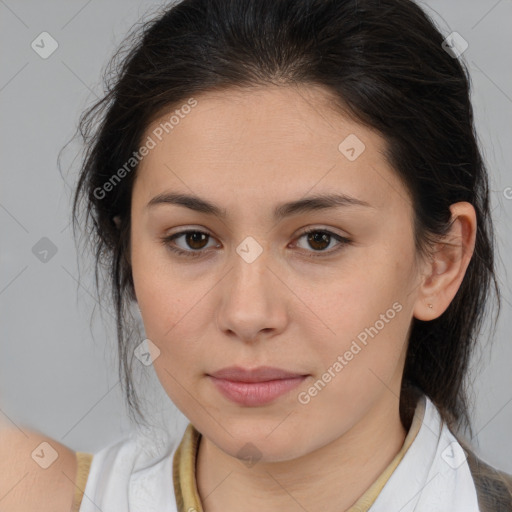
x: 446, y: 269
x: 117, y: 220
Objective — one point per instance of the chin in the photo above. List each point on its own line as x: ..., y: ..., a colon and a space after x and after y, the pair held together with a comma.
x: 259, y: 441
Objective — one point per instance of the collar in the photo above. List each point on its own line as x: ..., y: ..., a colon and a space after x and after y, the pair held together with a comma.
x: 184, y: 468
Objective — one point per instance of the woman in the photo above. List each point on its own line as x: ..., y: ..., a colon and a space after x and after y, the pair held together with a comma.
x: 292, y: 194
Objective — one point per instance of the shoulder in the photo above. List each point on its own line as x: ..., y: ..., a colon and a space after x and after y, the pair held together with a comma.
x: 36, y: 472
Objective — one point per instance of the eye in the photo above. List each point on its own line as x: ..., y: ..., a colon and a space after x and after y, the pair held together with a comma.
x: 319, y: 239
x: 196, y: 241
x: 193, y: 238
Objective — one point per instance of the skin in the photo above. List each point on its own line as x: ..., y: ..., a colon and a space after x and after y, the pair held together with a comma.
x: 36, y: 471
x: 248, y: 151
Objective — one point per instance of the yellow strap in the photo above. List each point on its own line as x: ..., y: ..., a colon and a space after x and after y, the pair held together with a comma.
x: 184, y: 472
x: 84, y: 465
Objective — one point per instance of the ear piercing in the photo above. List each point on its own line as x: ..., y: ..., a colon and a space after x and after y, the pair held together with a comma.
x: 430, y: 306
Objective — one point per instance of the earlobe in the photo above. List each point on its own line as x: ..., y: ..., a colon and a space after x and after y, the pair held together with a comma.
x: 117, y: 220
x: 448, y: 264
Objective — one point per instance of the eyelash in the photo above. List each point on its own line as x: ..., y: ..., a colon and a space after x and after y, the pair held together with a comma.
x: 166, y: 241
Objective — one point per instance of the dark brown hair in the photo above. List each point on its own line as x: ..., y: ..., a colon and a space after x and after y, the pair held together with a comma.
x: 384, y: 62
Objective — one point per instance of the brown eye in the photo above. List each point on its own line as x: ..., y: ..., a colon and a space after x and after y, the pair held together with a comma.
x: 195, y: 239
x: 195, y: 242
x: 319, y: 240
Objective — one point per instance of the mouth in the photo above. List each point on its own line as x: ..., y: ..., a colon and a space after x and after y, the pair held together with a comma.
x: 255, y: 387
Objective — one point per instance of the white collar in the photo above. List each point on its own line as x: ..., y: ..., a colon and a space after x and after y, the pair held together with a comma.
x: 433, y: 476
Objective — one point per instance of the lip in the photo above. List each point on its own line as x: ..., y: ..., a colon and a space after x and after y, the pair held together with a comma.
x: 254, y: 387
x: 260, y: 374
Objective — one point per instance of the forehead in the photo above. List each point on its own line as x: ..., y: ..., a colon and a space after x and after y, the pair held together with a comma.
x: 271, y: 141
x: 302, y: 117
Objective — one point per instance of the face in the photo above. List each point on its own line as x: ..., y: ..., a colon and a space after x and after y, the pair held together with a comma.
x: 250, y: 288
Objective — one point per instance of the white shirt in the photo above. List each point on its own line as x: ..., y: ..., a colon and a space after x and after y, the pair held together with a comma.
x: 136, y: 473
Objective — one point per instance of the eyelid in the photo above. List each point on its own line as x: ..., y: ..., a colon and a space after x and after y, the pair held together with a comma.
x: 315, y: 229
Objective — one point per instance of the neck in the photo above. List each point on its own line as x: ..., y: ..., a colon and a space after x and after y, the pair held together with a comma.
x: 331, y: 478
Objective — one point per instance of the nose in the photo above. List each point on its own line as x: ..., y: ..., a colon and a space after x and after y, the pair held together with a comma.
x: 254, y: 302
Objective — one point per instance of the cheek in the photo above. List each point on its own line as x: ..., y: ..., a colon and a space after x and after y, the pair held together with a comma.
x: 161, y: 294
x: 368, y: 314
x: 169, y: 312
x: 168, y: 315
x: 162, y: 303
x: 366, y: 298
x: 360, y: 363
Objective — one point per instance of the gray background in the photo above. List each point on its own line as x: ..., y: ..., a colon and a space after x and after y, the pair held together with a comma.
x: 58, y: 369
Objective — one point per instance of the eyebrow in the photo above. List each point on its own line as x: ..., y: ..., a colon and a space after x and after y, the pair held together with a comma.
x: 304, y: 205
